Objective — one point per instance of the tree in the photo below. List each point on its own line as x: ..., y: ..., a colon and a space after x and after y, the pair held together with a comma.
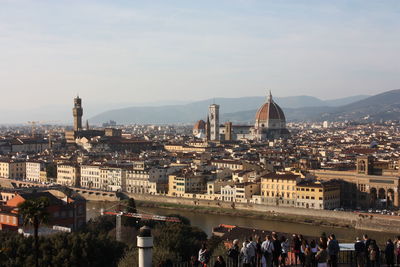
x: 34, y: 212
x: 131, y: 208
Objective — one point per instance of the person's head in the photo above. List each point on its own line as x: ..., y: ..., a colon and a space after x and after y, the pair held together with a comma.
x: 365, y: 236
x: 236, y: 242
x: 304, y: 242
x: 398, y: 237
x: 332, y: 237
x: 220, y: 258
x: 301, y: 237
x: 250, y: 238
x: 358, y: 239
x: 313, y: 244
x: 268, y: 237
x: 274, y: 236
x: 283, y: 238
x: 204, y: 246
x: 389, y: 241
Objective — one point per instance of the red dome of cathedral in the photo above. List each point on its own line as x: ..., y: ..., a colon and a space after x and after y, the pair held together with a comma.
x: 270, y: 111
x: 200, y: 125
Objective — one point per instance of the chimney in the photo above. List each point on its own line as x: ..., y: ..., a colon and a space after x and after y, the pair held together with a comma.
x: 145, y: 245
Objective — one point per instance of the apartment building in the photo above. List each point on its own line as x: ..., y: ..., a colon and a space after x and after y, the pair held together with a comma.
x: 240, y: 192
x: 12, y: 169
x: 90, y: 177
x: 34, y: 171
x: 318, y: 195
x: 228, y: 164
x: 68, y: 174
x: 279, y: 189
x: 186, y: 183
x: 113, y: 177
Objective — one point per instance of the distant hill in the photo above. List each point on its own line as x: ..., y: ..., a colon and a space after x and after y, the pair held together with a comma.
x: 384, y: 106
x: 234, y: 109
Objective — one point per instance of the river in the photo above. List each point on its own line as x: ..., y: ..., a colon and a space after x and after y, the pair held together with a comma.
x: 207, y: 221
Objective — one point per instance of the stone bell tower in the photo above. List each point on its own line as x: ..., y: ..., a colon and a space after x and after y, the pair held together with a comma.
x: 77, y: 112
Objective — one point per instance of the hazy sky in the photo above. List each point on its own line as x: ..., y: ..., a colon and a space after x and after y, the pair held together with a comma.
x: 145, y: 51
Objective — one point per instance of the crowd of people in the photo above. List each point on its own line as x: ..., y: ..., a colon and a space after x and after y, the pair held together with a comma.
x: 281, y: 251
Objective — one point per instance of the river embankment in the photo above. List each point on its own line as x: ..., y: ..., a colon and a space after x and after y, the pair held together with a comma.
x: 329, y: 218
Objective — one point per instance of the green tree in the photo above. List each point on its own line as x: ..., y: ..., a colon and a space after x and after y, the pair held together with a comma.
x: 177, y: 242
x: 34, y: 212
x: 131, y: 208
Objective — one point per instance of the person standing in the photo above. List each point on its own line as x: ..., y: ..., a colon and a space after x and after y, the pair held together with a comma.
x: 296, y: 244
x: 389, y: 253
x: 367, y: 242
x: 322, y: 256
x: 233, y: 252
x: 398, y: 251
x: 244, y: 255
x: 276, y: 254
x: 359, y: 251
x: 285, y: 250
x: 220, y: 262
x: 303, y: 247
x: 373, y: 254
x: 259, y: 254
x: 314, y: 250
x: 204, y: 255
x: 252, y: 247
x: 333, y: 250
x: 267, y: 248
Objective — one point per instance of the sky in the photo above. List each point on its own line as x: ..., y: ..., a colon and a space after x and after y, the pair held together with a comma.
x: 165, y: 51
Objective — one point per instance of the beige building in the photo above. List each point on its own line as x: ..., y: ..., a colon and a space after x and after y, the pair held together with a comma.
x: 142, y: 180
x: 90, y: 177
x: 68, y: 174
x: 181, y: 184
x: 317, y: 195
x: 228, y: 164
x: 366, y: 187
x: 184, y: 148
x: 34, y: 171
x: 240, y: 192
x: 115, y: 177
x: 279, y: 189
x: 12, y: 169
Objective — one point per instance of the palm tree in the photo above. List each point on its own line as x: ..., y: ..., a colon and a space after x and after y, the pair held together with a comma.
x: 34, y: 212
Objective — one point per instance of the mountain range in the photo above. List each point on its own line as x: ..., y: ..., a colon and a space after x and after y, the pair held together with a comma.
x: 383, y: 106
x: 240, y: 109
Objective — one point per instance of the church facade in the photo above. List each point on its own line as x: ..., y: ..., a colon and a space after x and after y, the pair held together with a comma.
x: 270, y: 124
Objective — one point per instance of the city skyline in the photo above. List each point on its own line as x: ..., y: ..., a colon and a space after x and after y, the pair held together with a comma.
x: 151, y: 52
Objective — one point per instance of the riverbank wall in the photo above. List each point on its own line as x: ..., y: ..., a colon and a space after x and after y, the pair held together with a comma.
x: 372, y: 222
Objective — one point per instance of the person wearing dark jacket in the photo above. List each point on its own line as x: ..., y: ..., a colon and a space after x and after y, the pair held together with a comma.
x: 367, y: 242
x: 234, y: 252
x: 389, y: 253
x: 220, y: 262
x: 277, y: 250
x: 359, y: 249
x: 333, y: 250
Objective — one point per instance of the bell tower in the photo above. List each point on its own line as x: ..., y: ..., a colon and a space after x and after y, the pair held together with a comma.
x: 213, y: 112
x: 77, y: 112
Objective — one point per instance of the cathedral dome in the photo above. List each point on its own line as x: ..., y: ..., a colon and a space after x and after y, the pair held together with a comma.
x: 270, y: 111
x: 200, y: 125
